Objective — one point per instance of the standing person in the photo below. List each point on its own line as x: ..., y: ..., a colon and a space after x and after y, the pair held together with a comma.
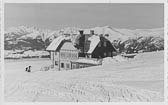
x: 29, y: 69
x: 26, y: 69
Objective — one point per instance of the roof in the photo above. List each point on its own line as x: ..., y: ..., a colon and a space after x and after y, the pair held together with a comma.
x: 55, y: 43
x: 68, y: 46
x: 94, y: 41
x: 88, y: 61
x: 90, y: 44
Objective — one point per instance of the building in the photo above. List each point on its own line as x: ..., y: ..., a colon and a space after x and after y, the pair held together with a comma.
x: 88, y: 51
x: 94, y: 46
x: 62, y: 53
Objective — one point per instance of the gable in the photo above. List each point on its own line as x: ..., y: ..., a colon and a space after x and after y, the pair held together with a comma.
x: 94, y: 41
x: 67, y: 45
x: 57, y: 43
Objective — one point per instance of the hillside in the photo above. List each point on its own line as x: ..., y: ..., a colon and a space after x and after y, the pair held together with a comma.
x: 135, y: 80
x: 26, y: 38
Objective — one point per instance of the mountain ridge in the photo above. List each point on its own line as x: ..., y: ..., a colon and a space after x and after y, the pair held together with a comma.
x: 35, y: 38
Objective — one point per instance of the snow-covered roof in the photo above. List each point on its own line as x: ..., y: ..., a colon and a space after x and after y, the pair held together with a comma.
x: 88, y: 61
x: 94, y: 42
x: 68, y: 45
x: 55, y: 43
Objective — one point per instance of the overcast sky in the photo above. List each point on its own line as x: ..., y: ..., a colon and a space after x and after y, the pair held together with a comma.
x: 56, y: 16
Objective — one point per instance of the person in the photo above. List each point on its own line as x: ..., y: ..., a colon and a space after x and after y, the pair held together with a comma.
x: 29, y: 69
x: 26, y: 69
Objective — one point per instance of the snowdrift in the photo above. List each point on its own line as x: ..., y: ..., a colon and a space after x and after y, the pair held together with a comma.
x: 115, y: 59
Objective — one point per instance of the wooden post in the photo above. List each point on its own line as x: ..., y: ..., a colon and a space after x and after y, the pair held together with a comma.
x: 53, y: 58
x: 59, y: 60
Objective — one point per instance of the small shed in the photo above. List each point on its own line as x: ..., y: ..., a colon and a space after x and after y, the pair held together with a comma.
x: 85, y: 62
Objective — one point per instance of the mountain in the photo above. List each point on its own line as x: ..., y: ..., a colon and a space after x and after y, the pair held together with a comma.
x: 24, y: 37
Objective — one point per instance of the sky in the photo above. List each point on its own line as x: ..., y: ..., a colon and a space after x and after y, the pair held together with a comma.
x: 60, y: 15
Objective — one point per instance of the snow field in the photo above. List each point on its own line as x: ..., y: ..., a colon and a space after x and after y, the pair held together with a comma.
x: 139, y: 79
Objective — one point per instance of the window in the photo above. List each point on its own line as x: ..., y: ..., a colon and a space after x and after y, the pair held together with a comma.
x: 74, y: 66
x: 90, y: 56
x: 105, y: 54
x: 68, y: 55
x: 63, y: 54
x: 105, y: 44
x: 74, y: 55
x: 62, y: 65
x: 107, y: 35
x: 56, y: 62
x: 67, y: 66
x: 80, y: 66
x: 109, y: 54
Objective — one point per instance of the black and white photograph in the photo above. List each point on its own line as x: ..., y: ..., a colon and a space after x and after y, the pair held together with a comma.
x: 84, y: 52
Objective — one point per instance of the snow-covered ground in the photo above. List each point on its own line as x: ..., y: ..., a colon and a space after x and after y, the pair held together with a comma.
x: 0, y: 85
x: 0, y: 90
x: 138, y: 79
x: 9, y: 54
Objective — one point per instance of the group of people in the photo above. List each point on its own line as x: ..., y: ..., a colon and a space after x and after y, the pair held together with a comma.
x: 28, y: 69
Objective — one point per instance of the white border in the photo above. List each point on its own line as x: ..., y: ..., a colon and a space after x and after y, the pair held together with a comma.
x: 90, y: 1
x: 2, y: 51
x: 84, y: 1
x: 87, y: 103
x: 165, y: 52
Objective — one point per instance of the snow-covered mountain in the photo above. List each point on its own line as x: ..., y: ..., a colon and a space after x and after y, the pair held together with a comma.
x: 22, y: 37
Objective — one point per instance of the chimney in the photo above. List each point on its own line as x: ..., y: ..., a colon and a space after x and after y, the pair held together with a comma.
x: 92, y: 32
x: 82, y: 41
x: 81, y: 32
